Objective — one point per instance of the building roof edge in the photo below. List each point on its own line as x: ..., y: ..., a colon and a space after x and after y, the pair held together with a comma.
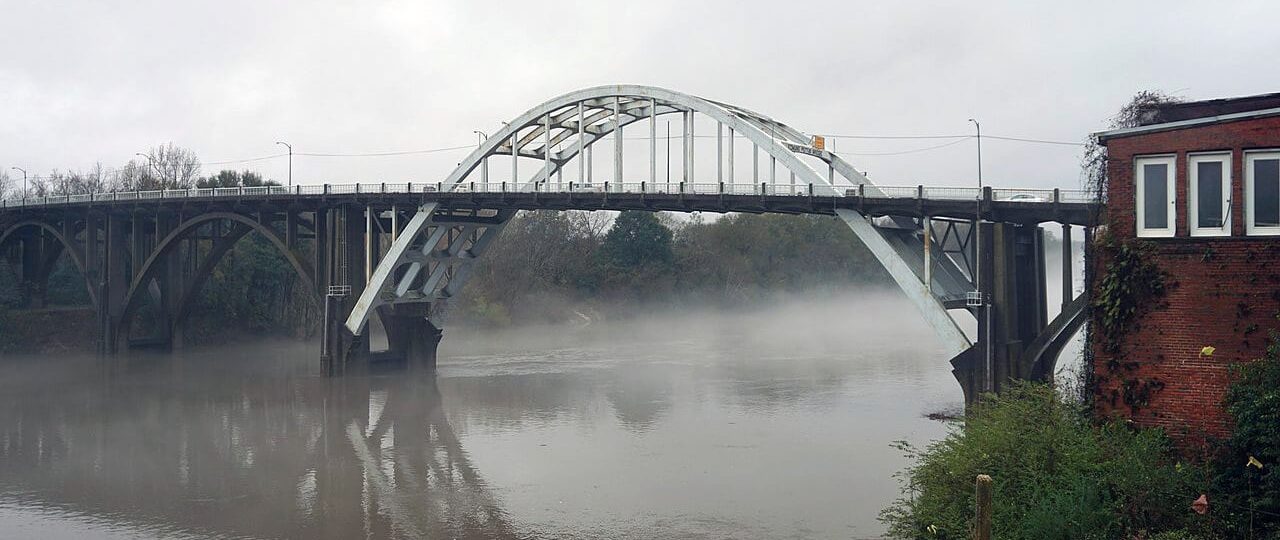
x: 1104, y: 136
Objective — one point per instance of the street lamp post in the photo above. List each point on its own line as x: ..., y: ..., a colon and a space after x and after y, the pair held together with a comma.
x: 24, y: 180
x: 989, y: 379
x: 151, y: 162
x: 290, y: 147
x: 481, y: 137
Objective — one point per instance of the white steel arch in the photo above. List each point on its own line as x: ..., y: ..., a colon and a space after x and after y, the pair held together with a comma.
x: 430, y: 259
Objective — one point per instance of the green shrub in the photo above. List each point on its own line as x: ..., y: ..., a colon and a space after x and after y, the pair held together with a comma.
x: 1056, y: 475
x: 1245, y: 499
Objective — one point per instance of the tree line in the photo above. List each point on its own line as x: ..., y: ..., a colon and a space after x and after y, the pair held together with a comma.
x: 165, y: 166
x: 549, y: 266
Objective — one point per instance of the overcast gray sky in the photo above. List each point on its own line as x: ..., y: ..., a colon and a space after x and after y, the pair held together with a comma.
x: 94, y: 81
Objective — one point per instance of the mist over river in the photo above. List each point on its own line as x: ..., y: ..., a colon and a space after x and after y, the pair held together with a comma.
x: 767, y: 423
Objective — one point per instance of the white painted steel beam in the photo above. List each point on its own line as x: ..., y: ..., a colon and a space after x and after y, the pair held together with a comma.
x: 626, y: 104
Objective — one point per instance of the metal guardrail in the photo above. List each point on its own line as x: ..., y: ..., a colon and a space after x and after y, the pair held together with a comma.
x: 722, y: 188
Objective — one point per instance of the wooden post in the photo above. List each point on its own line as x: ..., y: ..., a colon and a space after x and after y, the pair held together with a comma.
x: 982, y: 522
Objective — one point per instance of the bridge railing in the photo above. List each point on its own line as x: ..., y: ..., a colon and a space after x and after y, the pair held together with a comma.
x: 552, y: 186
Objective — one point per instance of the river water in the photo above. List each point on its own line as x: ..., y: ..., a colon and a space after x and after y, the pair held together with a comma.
x: 767, y: 423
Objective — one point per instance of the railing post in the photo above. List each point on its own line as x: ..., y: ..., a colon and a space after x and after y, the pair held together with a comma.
x: 642, y: 187
x: 439, y: 187
x: 1057, y: 195
x: 762, y: 185
x: 862, y: 191
x: 408, y: 186
x: 682, y: 188
x: 606, y: 186
x: 297, y: 190
x: 504, y: 186
x: 722, y: 188
x: 357, y: 188
x: 384, y: 187
x: 810, y: 190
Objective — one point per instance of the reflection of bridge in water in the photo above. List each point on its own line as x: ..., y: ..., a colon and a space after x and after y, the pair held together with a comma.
x: 386, y: 257
x: 263, y: 457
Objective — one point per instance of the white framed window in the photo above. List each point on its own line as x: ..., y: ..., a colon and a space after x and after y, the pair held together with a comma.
x: 1262, y: 192
x: 1210, y: 192
x: 1155, y: 196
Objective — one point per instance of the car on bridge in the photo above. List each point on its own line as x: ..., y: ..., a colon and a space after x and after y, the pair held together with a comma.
x: 1024, y: 197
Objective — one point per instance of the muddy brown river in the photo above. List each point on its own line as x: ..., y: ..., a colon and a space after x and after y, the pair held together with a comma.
x: 769, y: 423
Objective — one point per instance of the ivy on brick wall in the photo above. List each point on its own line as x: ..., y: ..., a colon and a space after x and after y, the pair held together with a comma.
x: 1129, y: 286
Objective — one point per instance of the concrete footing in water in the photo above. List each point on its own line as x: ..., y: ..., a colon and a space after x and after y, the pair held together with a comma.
x: 411, y: 337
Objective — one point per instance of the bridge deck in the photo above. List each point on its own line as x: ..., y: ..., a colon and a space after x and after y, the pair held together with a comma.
x: 1011, y: 206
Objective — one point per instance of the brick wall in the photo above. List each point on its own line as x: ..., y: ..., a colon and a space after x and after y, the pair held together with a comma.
x: 1222, y: 292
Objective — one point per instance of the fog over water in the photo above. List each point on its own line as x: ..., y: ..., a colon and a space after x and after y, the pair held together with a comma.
x: 771, y: 422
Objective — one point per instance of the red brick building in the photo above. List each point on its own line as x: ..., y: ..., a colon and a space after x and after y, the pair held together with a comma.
x: 1199, y: 184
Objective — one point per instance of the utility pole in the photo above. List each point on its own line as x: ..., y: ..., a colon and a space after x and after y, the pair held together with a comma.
x: 24, y: 180
x: 290, y: 147
x: 989, y: 376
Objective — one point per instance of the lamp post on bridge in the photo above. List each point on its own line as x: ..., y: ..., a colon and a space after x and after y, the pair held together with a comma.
x: 151, y: 162
x: 481, y: 137
x: 989, y: 382
x: 290, y: 147
x: 24, y: 180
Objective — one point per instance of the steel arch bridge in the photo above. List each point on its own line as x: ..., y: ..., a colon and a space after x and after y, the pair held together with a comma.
x: 398, y: 252
x: 566, y: 129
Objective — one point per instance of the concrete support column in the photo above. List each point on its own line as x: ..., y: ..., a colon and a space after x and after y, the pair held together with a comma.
x: 291, y: 229
x: 169, y: 278
x: 33, y: 271
x: 1067, y: 275
x: 1014, y: 313
x: 354, y: 258
x: 323, y: 272
x: 411, y: 335
x: 1018, y: 297
x: 137, y: 247
x: 115, y: 285
x: 345, y: 266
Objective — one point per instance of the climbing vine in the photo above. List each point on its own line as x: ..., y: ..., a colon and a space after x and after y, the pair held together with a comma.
x: 1130, y: 280
x: 1143, y: 108
x: 1130, y: 284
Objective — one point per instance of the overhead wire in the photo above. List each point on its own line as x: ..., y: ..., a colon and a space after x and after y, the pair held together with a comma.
x: 957, y: 139
x: 380, y: 154
x: 912, y: 151
x: 1040, y: 141
x: 997, y: 137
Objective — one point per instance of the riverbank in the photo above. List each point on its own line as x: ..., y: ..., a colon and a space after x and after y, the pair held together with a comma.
x: 54, y: 330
